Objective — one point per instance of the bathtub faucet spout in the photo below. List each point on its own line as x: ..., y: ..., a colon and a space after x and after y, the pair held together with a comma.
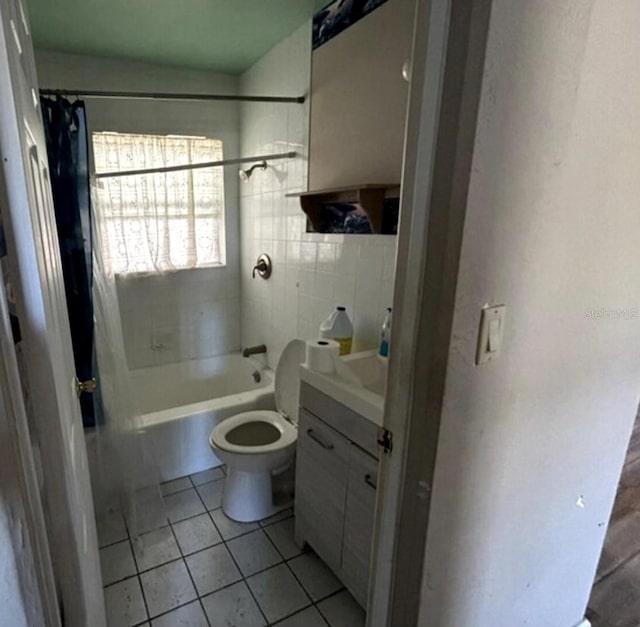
x: 254, y: 350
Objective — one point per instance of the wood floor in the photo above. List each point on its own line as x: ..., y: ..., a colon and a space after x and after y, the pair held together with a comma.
x: 615, y: 598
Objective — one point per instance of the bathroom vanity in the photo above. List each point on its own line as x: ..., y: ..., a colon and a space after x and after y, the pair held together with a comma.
x: 337, y: 473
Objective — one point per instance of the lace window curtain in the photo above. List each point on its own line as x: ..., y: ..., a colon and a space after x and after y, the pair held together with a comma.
x: 160, y: 222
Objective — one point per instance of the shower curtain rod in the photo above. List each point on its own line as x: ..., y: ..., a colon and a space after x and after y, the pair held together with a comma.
x: 133, y: 95
x: 195, y: 166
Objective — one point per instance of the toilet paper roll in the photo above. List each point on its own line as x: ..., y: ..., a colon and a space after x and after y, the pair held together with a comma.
x: 322, y: 355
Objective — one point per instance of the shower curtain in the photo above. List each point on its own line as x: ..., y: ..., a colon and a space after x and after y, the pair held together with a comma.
x: 123, y: 472
x: 127, y: 472
x: 65, y: 128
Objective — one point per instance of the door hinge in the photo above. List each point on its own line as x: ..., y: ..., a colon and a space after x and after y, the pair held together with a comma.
x: 385, y: 439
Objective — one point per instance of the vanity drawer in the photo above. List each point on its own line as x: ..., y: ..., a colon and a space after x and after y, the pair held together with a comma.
x: 359, y: 520
x: 324, y: 443
x: 348, y: 423
x: 322, y: 468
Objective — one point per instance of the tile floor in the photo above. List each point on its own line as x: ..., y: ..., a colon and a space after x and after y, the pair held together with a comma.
x: 201, y: 569
x: 615, y: 598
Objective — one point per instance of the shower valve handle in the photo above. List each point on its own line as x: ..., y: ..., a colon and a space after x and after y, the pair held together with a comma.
x: 263, y: 267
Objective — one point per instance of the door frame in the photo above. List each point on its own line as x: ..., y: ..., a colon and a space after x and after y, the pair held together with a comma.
x: 450, y: 40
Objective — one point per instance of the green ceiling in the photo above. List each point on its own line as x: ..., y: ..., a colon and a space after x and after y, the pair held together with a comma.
x: 222, y: 35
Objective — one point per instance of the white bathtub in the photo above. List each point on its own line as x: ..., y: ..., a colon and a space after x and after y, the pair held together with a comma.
x: 179, y: 405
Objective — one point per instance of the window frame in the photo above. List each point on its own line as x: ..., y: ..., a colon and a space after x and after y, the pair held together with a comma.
x: 220, y: 216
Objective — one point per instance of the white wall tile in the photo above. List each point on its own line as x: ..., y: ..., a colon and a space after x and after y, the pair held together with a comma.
x: 186, y: 315
x: 312, y: 273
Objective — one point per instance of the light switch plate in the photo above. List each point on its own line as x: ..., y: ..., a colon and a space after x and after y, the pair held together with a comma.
x: 490, y: 333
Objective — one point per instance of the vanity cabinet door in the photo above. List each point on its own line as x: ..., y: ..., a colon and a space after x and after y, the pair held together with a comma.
x: 322, y: 468
x: 359, y: 519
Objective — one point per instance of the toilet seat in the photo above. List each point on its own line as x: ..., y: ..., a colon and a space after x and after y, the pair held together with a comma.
x: 288, y: 433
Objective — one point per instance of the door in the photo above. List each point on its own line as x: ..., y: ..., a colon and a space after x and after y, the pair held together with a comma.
x: 39, y: 292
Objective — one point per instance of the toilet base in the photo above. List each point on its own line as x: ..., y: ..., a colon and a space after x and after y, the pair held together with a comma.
x: 248, y: 496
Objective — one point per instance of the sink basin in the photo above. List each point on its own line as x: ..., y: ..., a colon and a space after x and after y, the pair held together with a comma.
x: 370, y: 369
x: 359, y: 383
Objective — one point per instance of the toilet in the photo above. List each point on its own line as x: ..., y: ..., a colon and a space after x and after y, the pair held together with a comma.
x: 255, y: 445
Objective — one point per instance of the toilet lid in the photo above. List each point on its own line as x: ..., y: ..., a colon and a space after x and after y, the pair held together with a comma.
x: 287, y: 382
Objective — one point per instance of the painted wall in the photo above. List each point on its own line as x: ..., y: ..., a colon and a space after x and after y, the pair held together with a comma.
x: 190, y: 313
x: 312, y: 273
x: 532, y: 444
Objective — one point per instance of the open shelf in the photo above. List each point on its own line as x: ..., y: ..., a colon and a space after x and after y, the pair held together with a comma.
x: 370, y: 197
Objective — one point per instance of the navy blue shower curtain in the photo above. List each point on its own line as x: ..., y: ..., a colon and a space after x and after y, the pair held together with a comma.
x: 65, y: 128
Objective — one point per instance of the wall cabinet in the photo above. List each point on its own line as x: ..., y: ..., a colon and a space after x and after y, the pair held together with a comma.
x: 336, y: 489
x: 359, y: 100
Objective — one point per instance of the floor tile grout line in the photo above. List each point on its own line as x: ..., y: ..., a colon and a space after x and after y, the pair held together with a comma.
x: 148, y: 570
x: 284, y: 561
x: 193, y: 583
x: 144, y: 596
x: 290, y: 569
x: 236, y: 565
x: 207, y: 511
x: 275, y: 522
x: 246, y: 583
x: 246, y: 577
x: 334, y: 594
x: 301, y: 584
x: 183, y: 557
x: 175, y: 522
x: 142, y: 572
x: 192, y: 485
x: 135, y: 562
x: 258, y: 572
x: 304, y: 609
x: 106, y: 546
x: 173, y: 609
x: 288, y: 616
x: 124, y: 522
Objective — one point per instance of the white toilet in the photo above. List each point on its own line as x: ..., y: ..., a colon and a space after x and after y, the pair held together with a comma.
x: 255, y: 444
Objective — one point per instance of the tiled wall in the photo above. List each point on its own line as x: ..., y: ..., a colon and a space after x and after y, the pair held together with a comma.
x: 312, y: 273
x: 179, y: 316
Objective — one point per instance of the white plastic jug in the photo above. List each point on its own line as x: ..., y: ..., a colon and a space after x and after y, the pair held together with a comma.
x: 338, y: 327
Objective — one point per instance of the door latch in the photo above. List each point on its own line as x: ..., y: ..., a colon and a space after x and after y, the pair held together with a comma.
x: 385, y: 439
x: 89, y: 386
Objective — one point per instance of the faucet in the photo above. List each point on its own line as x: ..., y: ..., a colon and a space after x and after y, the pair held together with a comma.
x: 254, y: 350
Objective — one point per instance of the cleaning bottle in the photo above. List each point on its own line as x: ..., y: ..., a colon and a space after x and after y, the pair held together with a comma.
x: 385, y: 335
x: 338, y: 327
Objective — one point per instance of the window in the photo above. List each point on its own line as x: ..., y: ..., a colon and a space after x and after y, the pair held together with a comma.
x: 160, y: 222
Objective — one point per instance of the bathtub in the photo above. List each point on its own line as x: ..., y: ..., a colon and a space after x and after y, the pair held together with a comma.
x: 180, y: 404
